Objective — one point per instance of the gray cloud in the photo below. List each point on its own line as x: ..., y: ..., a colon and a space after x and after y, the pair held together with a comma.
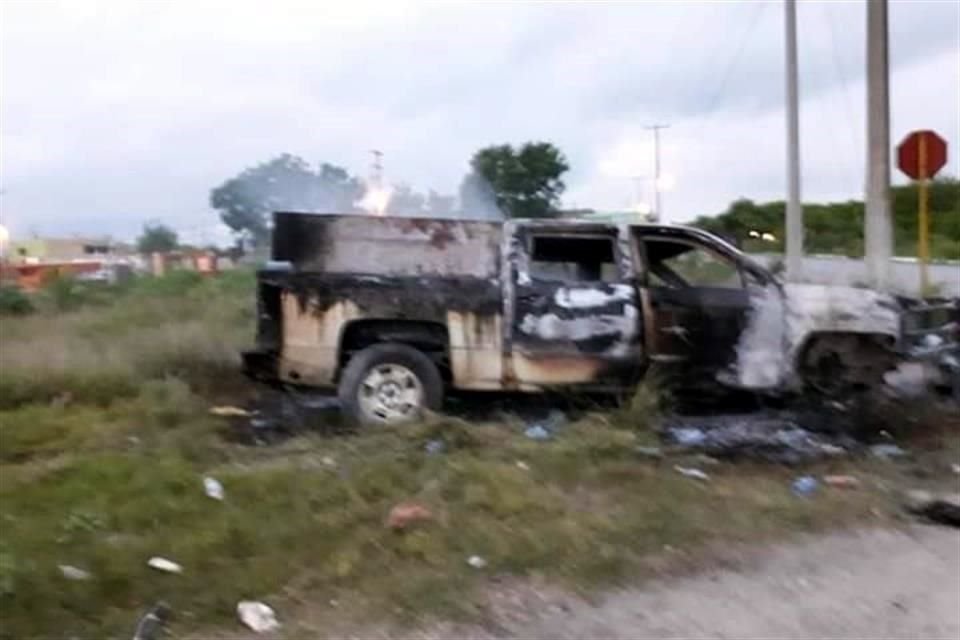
x: 115, y: 113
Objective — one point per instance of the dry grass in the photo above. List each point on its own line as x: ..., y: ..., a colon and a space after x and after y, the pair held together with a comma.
x: 99, y: 353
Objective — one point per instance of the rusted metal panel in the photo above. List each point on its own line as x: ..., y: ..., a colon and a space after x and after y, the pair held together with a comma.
x: 311, y: 338
x: 476, y: 350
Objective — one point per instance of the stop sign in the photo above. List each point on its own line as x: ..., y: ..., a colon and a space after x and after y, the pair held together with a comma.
x: 922, y: 154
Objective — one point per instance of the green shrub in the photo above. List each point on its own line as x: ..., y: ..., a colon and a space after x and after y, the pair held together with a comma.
x: 66, y: 293
x: 14, y: 302
x: 174, y: 283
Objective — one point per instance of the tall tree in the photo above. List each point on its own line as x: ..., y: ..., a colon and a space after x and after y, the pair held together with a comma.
x: 285, y: 183
x: 157, y: 238
x: 525, y: 182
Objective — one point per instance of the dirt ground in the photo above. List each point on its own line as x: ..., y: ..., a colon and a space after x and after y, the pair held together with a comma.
x: 872, y: 584
x: 876, y: 583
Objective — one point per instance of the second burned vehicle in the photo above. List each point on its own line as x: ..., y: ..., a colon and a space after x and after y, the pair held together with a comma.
x: 392, y: 312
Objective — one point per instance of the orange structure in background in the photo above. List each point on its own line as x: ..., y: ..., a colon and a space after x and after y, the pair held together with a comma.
x: 31, y: 277
x: 204, y: 262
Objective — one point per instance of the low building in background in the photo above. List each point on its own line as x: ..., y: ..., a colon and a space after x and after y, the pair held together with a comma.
x: 49, y: 250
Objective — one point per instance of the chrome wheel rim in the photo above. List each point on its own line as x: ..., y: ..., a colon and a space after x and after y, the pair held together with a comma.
x: 390, y: 393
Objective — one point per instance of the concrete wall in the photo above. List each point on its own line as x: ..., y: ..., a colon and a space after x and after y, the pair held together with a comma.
x: 904, y: 272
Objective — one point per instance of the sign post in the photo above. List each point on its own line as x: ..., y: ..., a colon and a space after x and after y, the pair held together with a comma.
x: 921, y: 155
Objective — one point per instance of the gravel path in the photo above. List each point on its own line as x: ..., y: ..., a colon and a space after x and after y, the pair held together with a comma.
x: 868, y: 584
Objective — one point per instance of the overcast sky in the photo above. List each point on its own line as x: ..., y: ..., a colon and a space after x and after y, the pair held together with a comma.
x: 116, y: 113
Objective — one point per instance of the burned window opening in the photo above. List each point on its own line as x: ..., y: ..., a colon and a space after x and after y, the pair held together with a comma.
x: 572, y: 259
x: 677, y: 265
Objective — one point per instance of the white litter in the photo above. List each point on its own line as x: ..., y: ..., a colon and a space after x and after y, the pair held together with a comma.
x: 257, y: 616
x: 73, y: 573
x: 162, y: 564
x: 690, y: 472
x: 230, y: 412
x: 213, y: 488
x: 523, y: 465
x: 476, y: 562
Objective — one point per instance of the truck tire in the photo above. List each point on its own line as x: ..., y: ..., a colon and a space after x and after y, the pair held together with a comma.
x: 840, y: 364
x: 389, y: 384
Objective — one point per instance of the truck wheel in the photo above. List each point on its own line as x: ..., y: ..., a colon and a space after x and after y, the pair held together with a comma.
x: 389, y: 384
x: 841, y: 364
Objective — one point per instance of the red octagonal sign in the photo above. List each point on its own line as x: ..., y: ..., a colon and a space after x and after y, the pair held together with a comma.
x: 922, y: 154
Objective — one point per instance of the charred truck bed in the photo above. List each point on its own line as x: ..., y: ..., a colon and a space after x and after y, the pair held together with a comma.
x: 337, y: 284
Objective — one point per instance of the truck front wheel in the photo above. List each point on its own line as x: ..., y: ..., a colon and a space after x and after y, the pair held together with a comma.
x: 840, y: 364
x: 389, y: 384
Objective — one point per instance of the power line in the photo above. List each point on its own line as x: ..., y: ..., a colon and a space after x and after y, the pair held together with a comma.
x: 852, y: 129
x: 759, y: 7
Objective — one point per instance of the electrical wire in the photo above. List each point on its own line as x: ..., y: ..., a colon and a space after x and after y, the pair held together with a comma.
x: 852, y: 128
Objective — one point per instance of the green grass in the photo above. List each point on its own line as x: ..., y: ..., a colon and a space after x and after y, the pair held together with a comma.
x: 105, y: 489
x: 105, y: 437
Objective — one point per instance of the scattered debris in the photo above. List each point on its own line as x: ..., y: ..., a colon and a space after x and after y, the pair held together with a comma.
x: 537, y: 432
x: 690, y: 472
x: 944, y: 508
x: 831, y: 450
x: 329, y: 462
x: 772, y: 438
x: 213, y: 488
x: 842, y: 481
x: 150, y: 623
x: 162, y: 564
x: 955, y: 468
x: 476, y: 562
x: 435, y: 447
x: 73, y: 573
x: 805, y: 486
x: 545, y: 429
x: 654, y: 453
x: 887, y: 451
x: 522, y: 465
x: 688, y: 436
x: 230, y: 412
x: 405, y: 514
x: 257, y: 616
x: 915, y: 499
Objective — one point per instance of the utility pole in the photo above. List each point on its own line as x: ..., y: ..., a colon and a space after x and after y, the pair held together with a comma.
x: 794, y: 224
x: 658, y: 206
x: 877, y: 226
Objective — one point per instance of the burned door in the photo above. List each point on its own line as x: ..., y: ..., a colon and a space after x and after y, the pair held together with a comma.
x: 574, y: 315
x: 698, y: 301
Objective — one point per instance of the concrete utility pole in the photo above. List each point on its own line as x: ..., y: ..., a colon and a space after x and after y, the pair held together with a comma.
x: 794, y: 221
x: 877, y: 226
x: 658, y: 206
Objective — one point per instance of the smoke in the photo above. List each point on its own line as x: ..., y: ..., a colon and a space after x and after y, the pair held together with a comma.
x: 478, y: 201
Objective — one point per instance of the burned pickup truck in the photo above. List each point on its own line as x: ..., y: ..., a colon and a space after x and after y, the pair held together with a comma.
x: 393, y: 312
